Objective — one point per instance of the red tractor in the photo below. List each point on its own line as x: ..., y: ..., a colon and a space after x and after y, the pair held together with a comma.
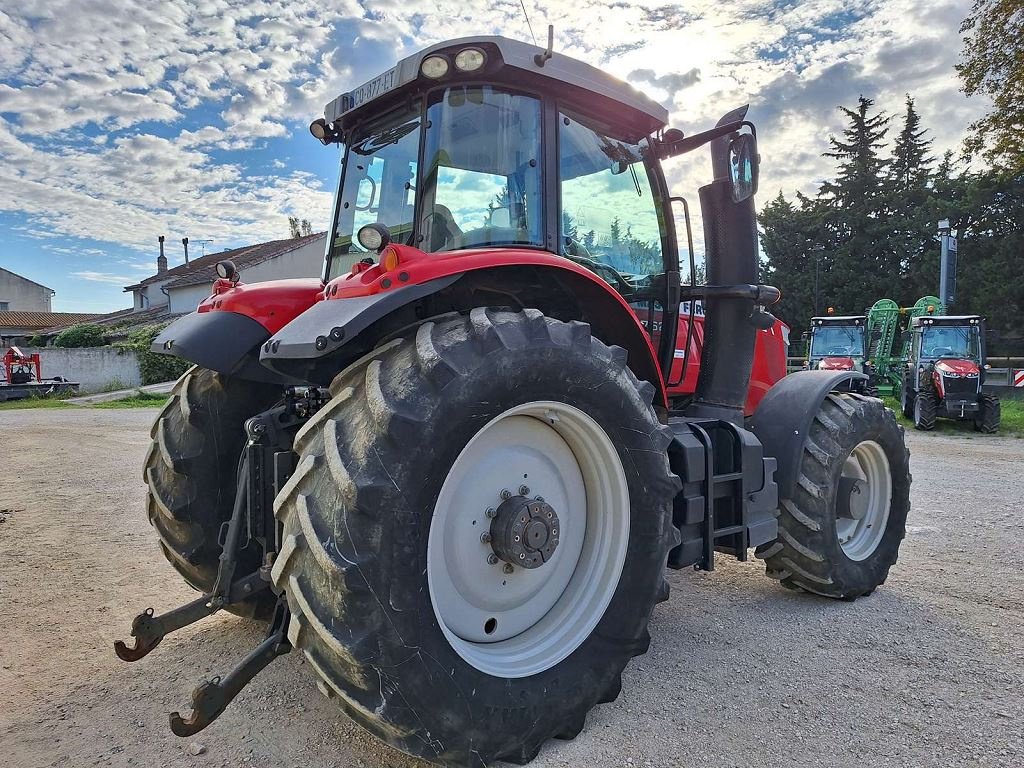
x: 452, y: 472
x: 945, y: 373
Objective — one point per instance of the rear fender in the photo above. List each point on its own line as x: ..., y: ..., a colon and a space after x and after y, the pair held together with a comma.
x: 318, y: 343
x: 783, y: 419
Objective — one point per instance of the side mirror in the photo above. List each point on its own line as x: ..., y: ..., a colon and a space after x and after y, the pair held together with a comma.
x: 805, y: 336
x: 743, y: 166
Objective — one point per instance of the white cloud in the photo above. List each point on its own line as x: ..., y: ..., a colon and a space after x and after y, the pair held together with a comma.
x: 82, y: 86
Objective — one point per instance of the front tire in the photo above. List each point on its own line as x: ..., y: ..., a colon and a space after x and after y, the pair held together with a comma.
x: 419, y: 440
x: 926, y: 409
x: 840, y: 532
x: 988, y: 419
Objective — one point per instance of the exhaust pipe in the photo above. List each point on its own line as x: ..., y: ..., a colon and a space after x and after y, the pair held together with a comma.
x: 730, y: 315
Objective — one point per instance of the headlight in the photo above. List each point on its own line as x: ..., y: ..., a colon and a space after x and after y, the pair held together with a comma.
x: 470, y: 60
x: 434, y: 67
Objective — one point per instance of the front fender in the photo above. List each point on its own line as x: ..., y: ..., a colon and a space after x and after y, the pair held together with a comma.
x: 783, y: 419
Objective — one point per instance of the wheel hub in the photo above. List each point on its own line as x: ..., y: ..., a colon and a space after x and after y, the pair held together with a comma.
x: 525, y: 532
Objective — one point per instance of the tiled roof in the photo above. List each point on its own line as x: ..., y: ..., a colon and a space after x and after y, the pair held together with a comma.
x: 203, y: 269
x: 34, y: 320
x: 121, y: 317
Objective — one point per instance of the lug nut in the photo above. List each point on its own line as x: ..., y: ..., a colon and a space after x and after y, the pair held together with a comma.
x: 524, y: 490
x: 485, y: 537
x: 539, y: 498
x: 505, y: 494
x: 491, y: 512
x: 508, y: 568
x: 492, y: 559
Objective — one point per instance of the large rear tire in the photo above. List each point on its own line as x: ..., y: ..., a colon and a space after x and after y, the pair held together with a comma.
x: 840, y: 532
x: 191, y: 475
x: 399, y: 602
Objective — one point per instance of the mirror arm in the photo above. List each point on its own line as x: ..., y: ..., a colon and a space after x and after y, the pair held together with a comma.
x: 666, y: 150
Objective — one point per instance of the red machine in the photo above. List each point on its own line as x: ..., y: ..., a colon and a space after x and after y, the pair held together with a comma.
x: 20, y: 368
x: 453, y: 471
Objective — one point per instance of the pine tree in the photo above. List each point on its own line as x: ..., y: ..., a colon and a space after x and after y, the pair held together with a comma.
x: 911, y: 163
x: 861, y: 170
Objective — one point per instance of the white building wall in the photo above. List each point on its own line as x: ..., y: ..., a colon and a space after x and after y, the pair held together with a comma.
x: 23, y: 295
x: 187, y: 298
x: 149, y: 296
x: 95, y: 368
x: 307, y: 261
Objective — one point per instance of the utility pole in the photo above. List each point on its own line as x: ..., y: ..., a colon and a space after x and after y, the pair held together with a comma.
x: 947, y: 265
x: 817, y: 250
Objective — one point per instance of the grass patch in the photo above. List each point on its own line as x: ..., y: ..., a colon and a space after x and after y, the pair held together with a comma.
x: 138, y: 400
x: 34, y: 402
x: 1011, y: 422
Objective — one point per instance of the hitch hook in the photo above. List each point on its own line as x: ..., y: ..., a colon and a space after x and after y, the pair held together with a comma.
x: 211, y: 697
x: 148, y: 630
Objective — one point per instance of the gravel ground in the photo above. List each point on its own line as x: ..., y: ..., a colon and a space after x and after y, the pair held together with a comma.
x: 929, y: 671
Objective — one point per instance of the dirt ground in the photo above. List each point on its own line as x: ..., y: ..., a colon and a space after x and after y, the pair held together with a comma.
x: 929, y: 671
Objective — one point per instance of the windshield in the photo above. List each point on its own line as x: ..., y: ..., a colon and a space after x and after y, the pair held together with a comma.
x: 833, y: 340
x: 482, y: 170
x: 947, y: 341
x: 610, y: 220
x: 379, y: 186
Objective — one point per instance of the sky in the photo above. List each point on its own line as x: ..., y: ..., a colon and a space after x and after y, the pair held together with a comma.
x: 121, y: 120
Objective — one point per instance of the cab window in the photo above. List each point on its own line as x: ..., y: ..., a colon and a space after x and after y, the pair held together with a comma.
x: 610, y: 221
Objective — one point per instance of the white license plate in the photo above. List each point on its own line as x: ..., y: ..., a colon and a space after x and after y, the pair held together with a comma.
x: 370, y: 91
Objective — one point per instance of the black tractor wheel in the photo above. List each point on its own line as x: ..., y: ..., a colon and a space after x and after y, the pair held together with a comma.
x: 476, y: 534
x: 840, y: 532
x: 191, y: 474
x: 926, y: 409
x: 907, y: 402
x: 988, y: 418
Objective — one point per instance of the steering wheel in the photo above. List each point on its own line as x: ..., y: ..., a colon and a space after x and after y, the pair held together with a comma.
x: 606, y: 272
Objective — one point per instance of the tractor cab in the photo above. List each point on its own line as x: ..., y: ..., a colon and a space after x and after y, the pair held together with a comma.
x: 837, y: 343
x: 945, y: 372
x: 476, y: 148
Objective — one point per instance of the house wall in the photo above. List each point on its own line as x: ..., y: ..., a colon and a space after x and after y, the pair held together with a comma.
x: 307, y: 261
x: 149, y: 296
x: 23, y: 295
x: 95, y: 368
x: 187, y: 298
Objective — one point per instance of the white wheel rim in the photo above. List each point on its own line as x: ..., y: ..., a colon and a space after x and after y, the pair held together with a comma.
x: 517, y: 624
x: 870, y: 500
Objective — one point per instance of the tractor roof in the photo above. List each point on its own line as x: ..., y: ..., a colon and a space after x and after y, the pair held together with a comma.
x: 509, y: 62
x: 946, y: 320
x: 841, y: 320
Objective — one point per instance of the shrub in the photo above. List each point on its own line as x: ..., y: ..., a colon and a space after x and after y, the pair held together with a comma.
x: 153, y: 368
x: 82, y: 335
x: 36, y: 341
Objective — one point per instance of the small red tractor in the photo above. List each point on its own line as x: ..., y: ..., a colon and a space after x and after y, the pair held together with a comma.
x: 23, y: 377
x: 945, y: 373
x: 452, y: 472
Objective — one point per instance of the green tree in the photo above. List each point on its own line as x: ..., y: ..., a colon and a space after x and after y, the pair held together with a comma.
x: 82, y: 335
x: 910, y: 170
x: 993, y: 65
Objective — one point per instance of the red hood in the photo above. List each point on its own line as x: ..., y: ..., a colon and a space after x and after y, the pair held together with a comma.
x: 836, y: 364
x: 959, y: 367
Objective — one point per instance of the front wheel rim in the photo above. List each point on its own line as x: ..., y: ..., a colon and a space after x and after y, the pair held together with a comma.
x: 862, y: 520
x: 510, y: 621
